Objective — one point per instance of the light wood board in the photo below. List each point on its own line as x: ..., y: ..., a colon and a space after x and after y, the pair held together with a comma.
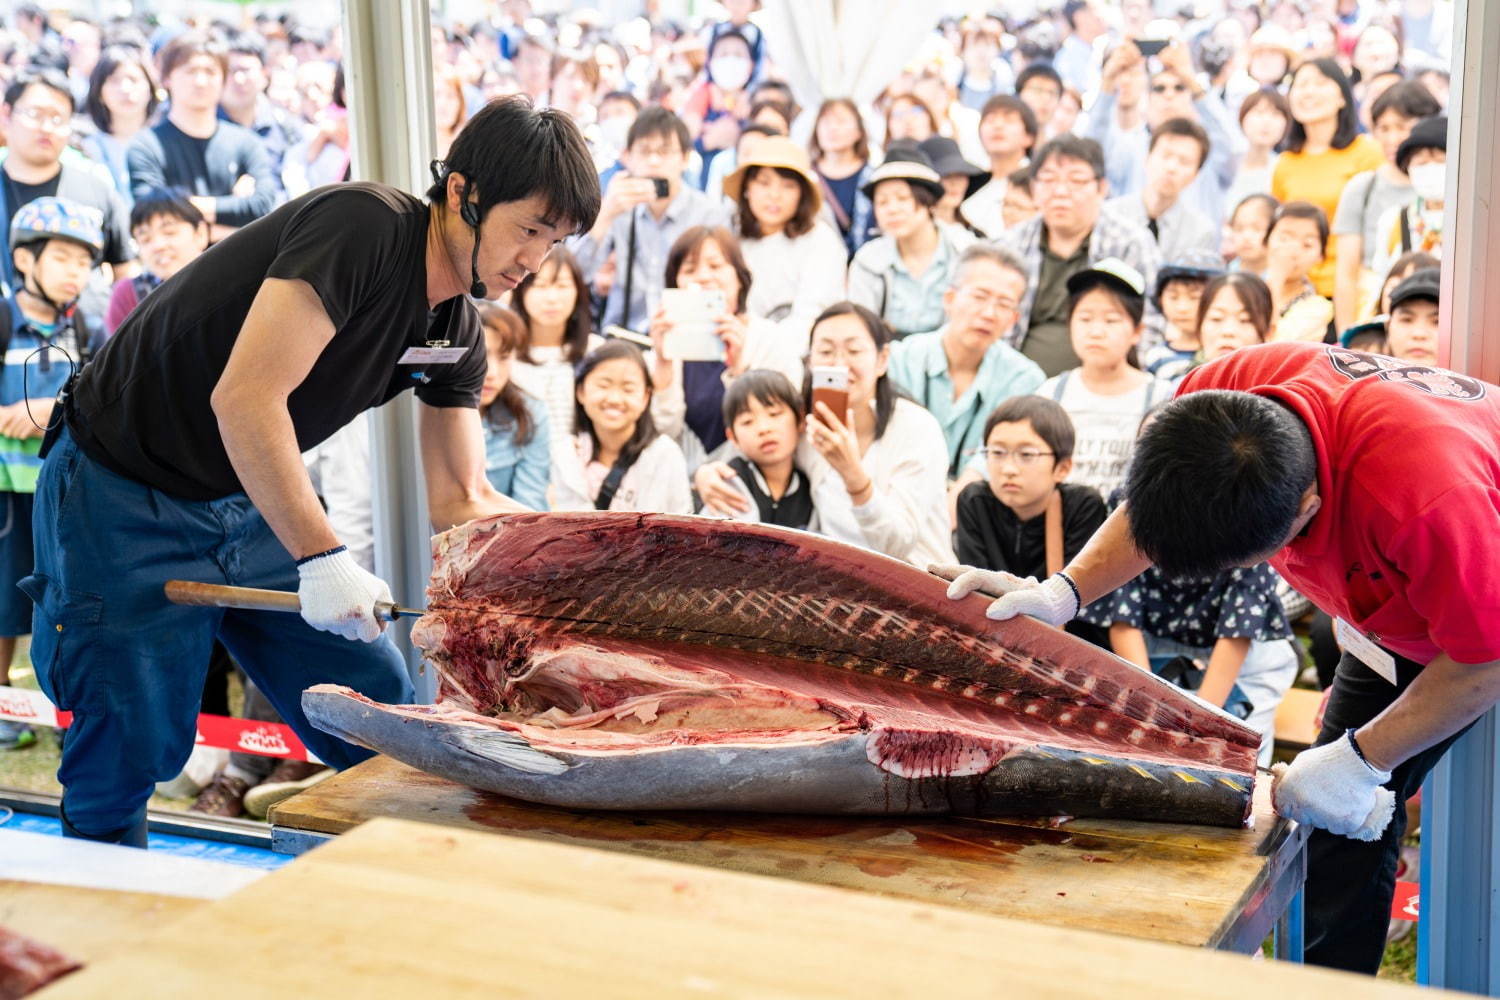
x: 399, y: 910
x: 87, y: 924
x: 1184, y: 884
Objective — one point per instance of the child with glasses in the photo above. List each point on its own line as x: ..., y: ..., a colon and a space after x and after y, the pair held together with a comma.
x: 1004, y: 521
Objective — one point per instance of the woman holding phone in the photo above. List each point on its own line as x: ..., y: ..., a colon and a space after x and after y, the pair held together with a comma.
x: 689, y: 397
x: 878, y: 469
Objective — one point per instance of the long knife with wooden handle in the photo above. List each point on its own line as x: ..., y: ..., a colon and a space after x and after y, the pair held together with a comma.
x: 215, y: 595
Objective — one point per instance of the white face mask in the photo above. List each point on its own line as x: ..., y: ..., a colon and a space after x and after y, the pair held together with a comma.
x: 614, y: 130
x: 1429, y: 180
x: 730, y: 72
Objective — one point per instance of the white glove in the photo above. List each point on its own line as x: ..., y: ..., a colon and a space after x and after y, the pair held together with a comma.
x: 1053, y: 602
x: 338, y: 595
x: 1331, y: 787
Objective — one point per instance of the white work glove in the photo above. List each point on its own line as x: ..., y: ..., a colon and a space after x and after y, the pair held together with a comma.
x: 1332, y: 787
x: 1053, y: 602
x: 338, y: 595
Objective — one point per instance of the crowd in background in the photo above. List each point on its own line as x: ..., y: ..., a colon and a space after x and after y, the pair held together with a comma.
x: 932, y: 325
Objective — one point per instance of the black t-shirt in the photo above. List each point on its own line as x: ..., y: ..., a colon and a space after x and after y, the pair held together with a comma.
x: 990, y: 536
x: 18, y: 194
x: 142, y: 407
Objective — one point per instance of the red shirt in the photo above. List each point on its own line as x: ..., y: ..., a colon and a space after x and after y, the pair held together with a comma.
x: 1406, y: 546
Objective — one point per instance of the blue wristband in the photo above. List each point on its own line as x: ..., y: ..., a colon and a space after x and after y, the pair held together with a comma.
x: 319, y: 555
x: 1077, y: 597
x: 1359, y: 752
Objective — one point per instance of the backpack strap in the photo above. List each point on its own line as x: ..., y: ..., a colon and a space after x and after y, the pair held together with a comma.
x: 611, y: 484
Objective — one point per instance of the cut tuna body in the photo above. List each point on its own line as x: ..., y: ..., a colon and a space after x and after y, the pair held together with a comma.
x: 637, y: 661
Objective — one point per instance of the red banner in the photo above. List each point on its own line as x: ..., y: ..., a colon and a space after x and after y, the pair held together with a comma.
x: 1408, y: 902
x: 268, y: 739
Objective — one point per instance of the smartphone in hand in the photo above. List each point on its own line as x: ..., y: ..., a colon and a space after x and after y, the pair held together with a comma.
x: 694, y: 314
x: 662, y: 187
x: 830, y: 386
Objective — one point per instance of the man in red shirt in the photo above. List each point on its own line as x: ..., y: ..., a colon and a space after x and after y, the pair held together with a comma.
x: 1373, y: 486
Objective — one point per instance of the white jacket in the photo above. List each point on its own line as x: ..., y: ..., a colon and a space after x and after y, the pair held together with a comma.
x: 907, y: 517
x: 796, y: 279
x: 657, y: 483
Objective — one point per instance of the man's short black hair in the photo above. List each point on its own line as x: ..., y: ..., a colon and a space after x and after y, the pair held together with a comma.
x: 510, y: 151
x: 1001, y: 103
x: 657, y: 122
x: 38, y: 76
x: 247, y: 43
x: 1217, y: 481
x: 1408, y: 98
x: 1039, y: 69
x: 1046, y: 416
x: 1185, y: 128
x: 160, y: 202
x: 621, y: 95
x: 1073, y: 147
x: 766, y: 387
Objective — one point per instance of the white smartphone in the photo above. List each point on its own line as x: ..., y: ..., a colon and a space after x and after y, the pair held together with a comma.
x: 694, y: 314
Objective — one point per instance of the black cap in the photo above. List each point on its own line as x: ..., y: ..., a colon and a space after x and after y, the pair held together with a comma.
x: 1429, y: 133
x: 1424, y: 284
x: 906, y: 161
x: 949, y: 161
x: 1192, y: 265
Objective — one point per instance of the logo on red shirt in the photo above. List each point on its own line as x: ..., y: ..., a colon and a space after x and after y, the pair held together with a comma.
x: 1433, y: 381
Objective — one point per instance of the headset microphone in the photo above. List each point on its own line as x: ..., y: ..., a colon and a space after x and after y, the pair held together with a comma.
x: 469, y: 212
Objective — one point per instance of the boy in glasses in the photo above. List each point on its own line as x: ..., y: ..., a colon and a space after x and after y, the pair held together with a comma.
x: 1005, y: 520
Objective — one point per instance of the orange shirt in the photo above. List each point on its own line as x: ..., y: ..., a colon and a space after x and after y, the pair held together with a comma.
x: 1320, y: 179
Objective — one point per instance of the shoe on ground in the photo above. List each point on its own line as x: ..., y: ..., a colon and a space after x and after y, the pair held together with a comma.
x: 225, y: 796
x: 289, y: 778
x: 15, y: 735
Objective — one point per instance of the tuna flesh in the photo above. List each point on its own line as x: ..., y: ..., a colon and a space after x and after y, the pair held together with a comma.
x: 641, y: 661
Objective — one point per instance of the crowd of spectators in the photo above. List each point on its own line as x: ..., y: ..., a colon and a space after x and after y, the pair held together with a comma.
x: 998, y: 268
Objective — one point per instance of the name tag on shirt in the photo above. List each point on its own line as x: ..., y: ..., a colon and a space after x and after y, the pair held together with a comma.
x: 1363, y: 648
x: 432, y: 355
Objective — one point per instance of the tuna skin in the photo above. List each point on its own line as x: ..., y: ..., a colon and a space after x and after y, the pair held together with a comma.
x: 601, y: 637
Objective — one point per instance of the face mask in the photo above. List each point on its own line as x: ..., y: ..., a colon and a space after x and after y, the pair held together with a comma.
x: 614, y: 130
x: 730, y: 72
x: 1429, y: 180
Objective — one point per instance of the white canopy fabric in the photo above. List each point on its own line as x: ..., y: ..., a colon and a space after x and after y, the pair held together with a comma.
x: 844, y: 48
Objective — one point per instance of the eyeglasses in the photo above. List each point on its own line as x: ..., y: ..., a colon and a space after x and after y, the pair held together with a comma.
x: 655, y: 152
x: 983, y: 301
x: 827, y: 354
x: 37, y: 119
x: 1023, y: 456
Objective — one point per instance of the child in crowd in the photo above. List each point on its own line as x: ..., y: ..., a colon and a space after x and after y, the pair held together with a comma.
x: 1024, y: 519
x: 517, y: 447
x: 1235, y: 312
x: 763, y: 419
x: 171, y: 233
x: 1179, y: 288
x: 1412, y: 329
x: 1405, y: 266
x: 553, y: 306
x: 1018, y: 205
x: 1297, y: 243
x: 616, y: 460
x: 54, y: 244
x: 1224, y: 637
x: 1249, y: 224
x: 877, y: 470
x: 1417, y: 224
x: 1108, y: 394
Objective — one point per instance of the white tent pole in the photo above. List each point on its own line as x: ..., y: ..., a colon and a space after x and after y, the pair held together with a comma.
x: 388, y: 83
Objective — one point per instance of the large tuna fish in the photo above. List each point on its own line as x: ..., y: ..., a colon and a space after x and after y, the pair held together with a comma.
x: 642, y: 661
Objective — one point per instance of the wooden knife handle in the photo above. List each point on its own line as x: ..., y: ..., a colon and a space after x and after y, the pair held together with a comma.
x: 214, y: 595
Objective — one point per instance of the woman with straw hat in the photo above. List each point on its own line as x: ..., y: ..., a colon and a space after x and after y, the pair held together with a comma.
x: 901, y: 275
x: 797, y: 258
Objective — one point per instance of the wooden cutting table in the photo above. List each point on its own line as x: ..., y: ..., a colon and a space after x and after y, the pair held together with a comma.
x: 398, y: 909
x: 1193, y: 885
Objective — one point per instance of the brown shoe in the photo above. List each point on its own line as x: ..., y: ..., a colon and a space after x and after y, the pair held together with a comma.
x: 292, y: 770
x: 225, y: 796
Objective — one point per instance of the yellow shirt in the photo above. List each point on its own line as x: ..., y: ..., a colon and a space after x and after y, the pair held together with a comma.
x: 1320, y: 179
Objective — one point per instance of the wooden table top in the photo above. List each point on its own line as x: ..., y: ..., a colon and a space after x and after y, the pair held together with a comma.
x: 397, y: 909
x: 1177, y: 883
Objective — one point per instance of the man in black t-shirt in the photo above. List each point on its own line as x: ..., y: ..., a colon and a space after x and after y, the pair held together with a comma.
x: 180, y: 453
